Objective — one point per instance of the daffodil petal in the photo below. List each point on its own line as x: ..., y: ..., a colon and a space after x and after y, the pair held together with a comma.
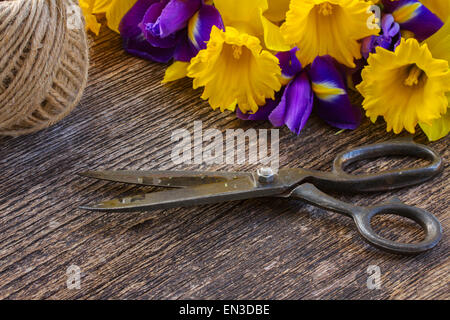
x: 176, y: 71
x: 277, y: 10
x: 438, y: 129
x: 333, y: 102
x: 87, y: 6
x: 243, y: 15
x: 92, y: 24
x: 439, y: 43
x: 101, y: 6
x: 273, y: 38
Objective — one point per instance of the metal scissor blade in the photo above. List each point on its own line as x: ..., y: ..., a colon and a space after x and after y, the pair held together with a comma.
x: 237, y: 189
x: 170, y: 179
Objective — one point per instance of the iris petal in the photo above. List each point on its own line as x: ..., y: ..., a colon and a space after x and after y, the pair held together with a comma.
x: 147, y: 26
x: 389, y: 39
x: 295, y: 106
x: 263, y: 112
x: 439, y: 7
x: 184, y: 50
x: 176, y: 15
x: 129, y: 25
x: 200, y: 25
x: 139, y: 46
x: 134, y: 40
x: 413, y: 16
x: 333, y: 102
x: 289, y: 63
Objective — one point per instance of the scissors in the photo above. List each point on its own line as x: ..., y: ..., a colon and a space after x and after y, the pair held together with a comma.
x: 199, y: 188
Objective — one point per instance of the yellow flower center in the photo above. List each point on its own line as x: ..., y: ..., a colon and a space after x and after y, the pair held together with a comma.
x: 325, y: 9
x: 237, y: 51
x: 414, y: 76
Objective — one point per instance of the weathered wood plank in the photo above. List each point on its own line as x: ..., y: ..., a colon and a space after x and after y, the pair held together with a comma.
x: 249, y: 249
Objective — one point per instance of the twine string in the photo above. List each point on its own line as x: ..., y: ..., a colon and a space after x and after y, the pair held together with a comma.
x: 43, y: 64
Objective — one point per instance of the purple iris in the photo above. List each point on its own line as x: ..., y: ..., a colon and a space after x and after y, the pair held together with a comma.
x: 389, y: 38
x: 321, y: 82
x: 160, y: 30
x: 420, y: 20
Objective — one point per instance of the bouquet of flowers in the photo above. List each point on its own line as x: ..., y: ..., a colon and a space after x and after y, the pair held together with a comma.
x: 278, y: 60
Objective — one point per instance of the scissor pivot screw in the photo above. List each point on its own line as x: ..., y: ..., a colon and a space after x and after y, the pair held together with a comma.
x: 265, y: 175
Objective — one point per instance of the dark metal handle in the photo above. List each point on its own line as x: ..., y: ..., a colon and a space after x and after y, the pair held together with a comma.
x: 363, y: 217
x: 388, y: 180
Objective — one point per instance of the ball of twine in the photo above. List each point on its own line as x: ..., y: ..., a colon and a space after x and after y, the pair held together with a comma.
x: 43, y: 63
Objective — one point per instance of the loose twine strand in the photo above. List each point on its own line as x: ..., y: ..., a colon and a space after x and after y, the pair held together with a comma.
x: 43, y: 64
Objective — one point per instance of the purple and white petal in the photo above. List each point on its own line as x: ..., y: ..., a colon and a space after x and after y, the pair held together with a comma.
x: 413, y: 16
x: 289, y: 63
x: 175, y: 16
x: 389, y: 27
x: 388, y: 39
x: 200, y: 25
x: 295, y: 106
x: 333, y: 102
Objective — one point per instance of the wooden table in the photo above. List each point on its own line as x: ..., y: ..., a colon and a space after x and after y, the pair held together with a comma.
x: 257, y: 249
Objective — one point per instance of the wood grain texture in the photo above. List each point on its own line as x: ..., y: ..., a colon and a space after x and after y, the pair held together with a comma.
x: 257, y: 249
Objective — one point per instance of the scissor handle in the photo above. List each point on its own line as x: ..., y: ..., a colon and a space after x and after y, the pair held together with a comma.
x: 425, y: 219
x: 364, y: 215
x: 387, y: 180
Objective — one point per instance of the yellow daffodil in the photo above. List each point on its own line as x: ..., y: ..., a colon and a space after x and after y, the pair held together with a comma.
x: 328, y: 27
x: 113, y: 9
x: 87, y: 6
x: 258, y: 18
x: 235, y: 70
x: 439, y: 45
x: 277, y: 10
x: 406, y: 87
